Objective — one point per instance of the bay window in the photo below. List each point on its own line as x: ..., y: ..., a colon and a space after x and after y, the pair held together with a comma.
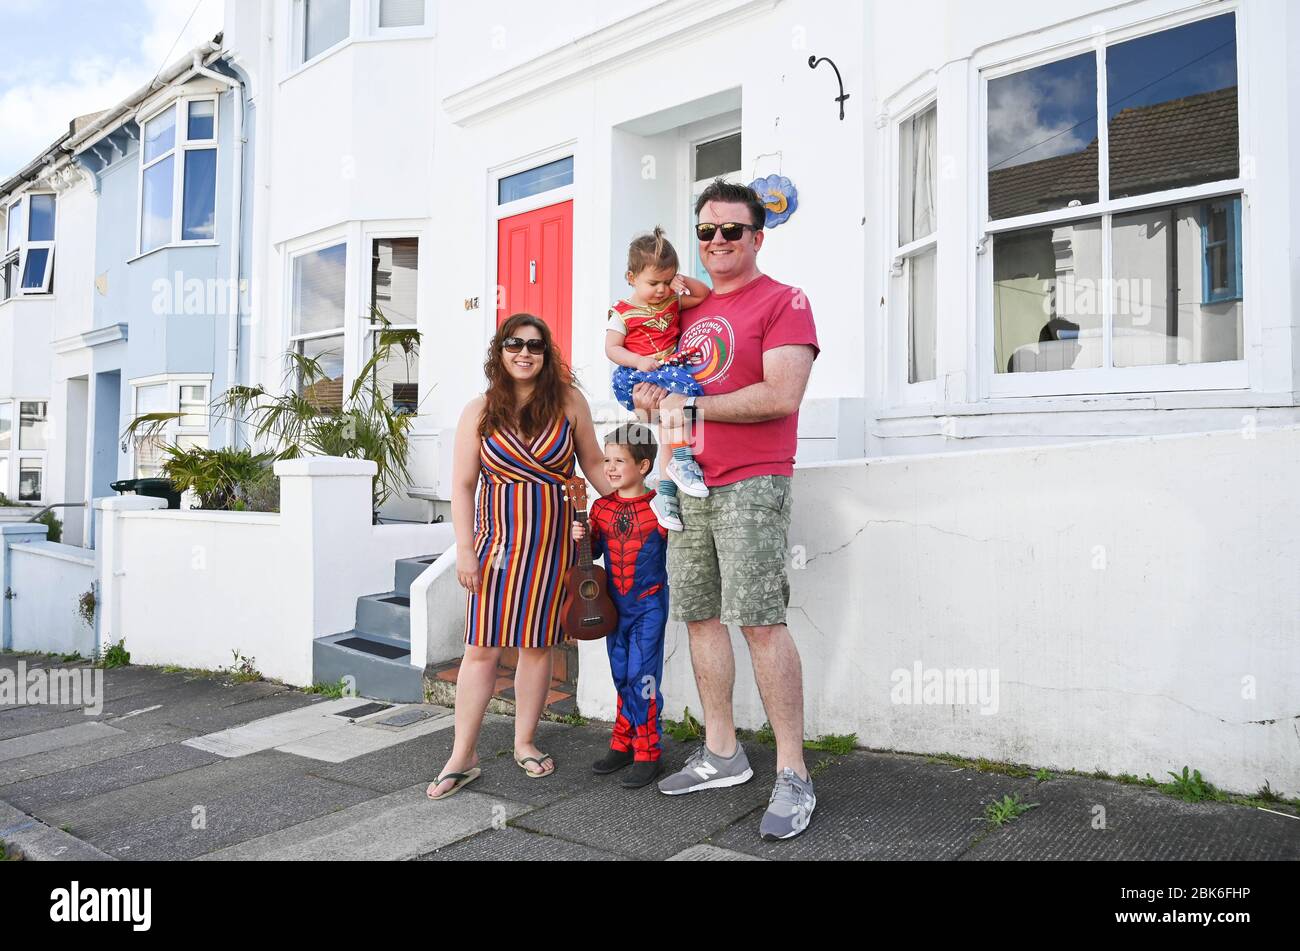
x: 1116, y: 244
x: 394, y: 278
x: 317, y: 325
x: 185, y: 394
x: 178, y: 174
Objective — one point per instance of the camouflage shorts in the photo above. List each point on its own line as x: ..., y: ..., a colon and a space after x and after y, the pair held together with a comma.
x: 729, y: 563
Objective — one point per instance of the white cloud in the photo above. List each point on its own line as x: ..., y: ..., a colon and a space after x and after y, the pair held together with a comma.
x: 36, y: 109
x: 1018, y: 131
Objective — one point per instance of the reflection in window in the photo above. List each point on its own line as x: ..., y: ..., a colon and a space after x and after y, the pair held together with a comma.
x: 31, y: 476
x: 31, y: 426
x: 535, y: 180
x: 1163, y: 312
x: 325, y: 393
x: 1047, y: 309
x: 1172, y: 108
x: 6, y: 426
x: 1042, y: 138
x: 318, y: 289
x: 394, y: 278
x: 398, y: 378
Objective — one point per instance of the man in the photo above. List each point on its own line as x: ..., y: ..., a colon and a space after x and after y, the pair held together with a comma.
x: 728, y: 565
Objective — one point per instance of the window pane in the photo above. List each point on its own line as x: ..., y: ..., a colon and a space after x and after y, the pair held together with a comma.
x: 156, y: 228
x: 149, y: 457
x: 326, y: 24
x: 393, y: 274
x: 326, y: 393
x: 6, y: 428
x: 30, y: 479
x: 34, y: 271
x: 202, y: 120
x: 152, y: 399
x: 916, y: 155
x: 718, y: 158
x: 535, y: 180
x: 15, y: 226
x: 194, y: 406
x: 922, y: 318
x: 318, y: 289
x: 1047, y: 309
x: 31, y: 425
x: 395, y: 13
x: 1172, y: 108
x: 198, y: 217
x: 1163, y: 310
x: 398, y: 377
x: 8, y: 278
x: 41, y: 225
x: 159, y: 135
x: 1042, y: 138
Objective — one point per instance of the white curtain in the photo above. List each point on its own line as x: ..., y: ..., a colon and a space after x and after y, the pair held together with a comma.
x: 916, y: 200
x: 398, y: 13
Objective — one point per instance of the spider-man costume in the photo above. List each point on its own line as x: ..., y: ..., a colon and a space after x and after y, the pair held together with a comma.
x: 635, y: 547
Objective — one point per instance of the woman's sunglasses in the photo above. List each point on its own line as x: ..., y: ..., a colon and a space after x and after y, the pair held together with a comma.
x: 731, y: 230
x: 535, y: 346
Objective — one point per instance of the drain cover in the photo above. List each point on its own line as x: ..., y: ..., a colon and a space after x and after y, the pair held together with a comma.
x: 374, y: 647
x: 406, y: 717
x: 364, y: 710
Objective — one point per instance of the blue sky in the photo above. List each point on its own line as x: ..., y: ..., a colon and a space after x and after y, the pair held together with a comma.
x: 65, y: 58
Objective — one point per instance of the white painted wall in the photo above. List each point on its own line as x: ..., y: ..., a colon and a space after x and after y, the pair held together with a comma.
x: 1137, y: 598
x: 190, y: 587
x: 49, y: 579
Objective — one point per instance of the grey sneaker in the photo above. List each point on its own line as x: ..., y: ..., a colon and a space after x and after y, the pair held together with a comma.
x: 668, y: 511
x: 707, y: 770
x: 688, y: 476
x: 790, y: 807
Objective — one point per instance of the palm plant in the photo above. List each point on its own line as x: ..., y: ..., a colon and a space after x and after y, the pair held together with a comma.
x: 306, y: 419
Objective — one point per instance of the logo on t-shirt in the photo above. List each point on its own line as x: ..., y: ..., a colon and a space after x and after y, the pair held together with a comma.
x: 716, y: 342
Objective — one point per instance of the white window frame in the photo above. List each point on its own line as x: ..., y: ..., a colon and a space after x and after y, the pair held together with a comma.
x: 17, y: 453
x: 370, y: 327
x: 375, y: 31
x: 1107, y: 379
x: 347, y: 341
x: 298, y: 34
x: 173, y: 428
x: 18, y: 255
x: 898, y: 306
x: 182, y: 145
x: 693, y: 135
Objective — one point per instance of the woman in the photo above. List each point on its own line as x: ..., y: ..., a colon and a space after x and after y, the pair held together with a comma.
x: 516, y: 445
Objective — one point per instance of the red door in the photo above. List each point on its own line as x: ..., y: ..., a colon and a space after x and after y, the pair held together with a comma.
x: 535, y: 268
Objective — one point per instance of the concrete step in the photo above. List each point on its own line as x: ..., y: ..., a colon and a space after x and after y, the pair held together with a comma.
x: 406, y: 570
x: 380, y: 667
x: 385, y: 615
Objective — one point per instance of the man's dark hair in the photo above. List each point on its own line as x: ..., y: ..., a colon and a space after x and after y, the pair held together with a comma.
x: 732, y: 193
x: 637, y: 439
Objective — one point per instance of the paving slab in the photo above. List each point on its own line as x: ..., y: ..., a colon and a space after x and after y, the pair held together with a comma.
x: 877, y: 806
x: 644, y: 822
x: 1140, y: 824
x: 36, y: 718
x: 401, y: 825
x: 513, y: 844
x: 48, y: 740
x: 69, y: 757
x: 279, y: 729
x: 229, y: 819
x: 339, y: 746
x: 39, y: 842
x: 85, y: 782
x: 166, y: 795
x: 711, y: 853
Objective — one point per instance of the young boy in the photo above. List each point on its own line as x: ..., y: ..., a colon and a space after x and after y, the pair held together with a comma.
x: 641, y: 338
x: 625, y: 530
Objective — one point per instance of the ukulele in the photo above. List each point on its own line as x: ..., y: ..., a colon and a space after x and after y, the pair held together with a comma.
x: 587, y: 613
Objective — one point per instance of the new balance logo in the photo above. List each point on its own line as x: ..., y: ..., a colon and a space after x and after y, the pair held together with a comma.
x: 706, y: 770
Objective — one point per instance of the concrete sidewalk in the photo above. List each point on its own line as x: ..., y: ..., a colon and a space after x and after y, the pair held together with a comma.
x: 178, y: 766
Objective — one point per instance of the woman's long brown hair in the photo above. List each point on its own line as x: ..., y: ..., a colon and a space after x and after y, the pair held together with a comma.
x: 552, y: 384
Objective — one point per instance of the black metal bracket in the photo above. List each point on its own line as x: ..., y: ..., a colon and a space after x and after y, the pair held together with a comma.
x: 814, y: 62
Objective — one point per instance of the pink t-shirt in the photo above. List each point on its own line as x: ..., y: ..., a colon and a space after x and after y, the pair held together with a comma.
x: 734, y: 331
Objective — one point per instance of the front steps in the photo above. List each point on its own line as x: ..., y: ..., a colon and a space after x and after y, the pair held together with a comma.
x: 376, y: 653
x: 561, y: 700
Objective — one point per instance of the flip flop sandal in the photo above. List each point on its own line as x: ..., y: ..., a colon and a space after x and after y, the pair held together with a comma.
x: 539, y: 760
x: 462, y: 780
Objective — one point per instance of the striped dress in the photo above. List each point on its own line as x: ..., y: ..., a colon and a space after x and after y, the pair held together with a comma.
x: 521, y: 536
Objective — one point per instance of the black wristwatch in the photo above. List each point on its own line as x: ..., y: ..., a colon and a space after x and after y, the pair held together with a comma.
x: 689, y: 412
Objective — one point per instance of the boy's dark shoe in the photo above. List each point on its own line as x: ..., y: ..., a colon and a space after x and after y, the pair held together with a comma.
x: 641, y: 774
x: 612, y: 761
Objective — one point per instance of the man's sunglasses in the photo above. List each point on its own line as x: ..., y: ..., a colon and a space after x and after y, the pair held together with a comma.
x: 731, y: 230
x: 535, y: 346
